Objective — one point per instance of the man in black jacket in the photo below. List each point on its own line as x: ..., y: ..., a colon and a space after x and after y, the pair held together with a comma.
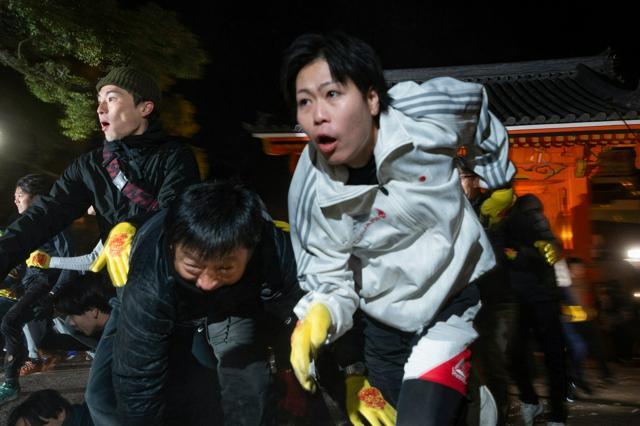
x: 495, y: 321
x: 532, y: 249
x: 138, y: 170
x: 213, y: 256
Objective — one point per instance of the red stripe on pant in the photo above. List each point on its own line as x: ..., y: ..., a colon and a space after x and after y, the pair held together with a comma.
x: 453, y: 373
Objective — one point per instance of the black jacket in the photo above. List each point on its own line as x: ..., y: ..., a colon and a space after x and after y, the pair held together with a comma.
x: 530, y: 275
x: 155, y: 161
x: 59, y: 246
x: 156, y: 301
x: 23, y: 277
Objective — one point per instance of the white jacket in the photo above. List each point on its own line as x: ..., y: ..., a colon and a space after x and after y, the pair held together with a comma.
x: 400, y: 249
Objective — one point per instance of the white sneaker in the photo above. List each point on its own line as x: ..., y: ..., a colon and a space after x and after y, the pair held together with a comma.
x: 530, y: 412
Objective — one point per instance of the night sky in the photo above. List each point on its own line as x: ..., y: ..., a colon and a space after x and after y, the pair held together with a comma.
x: 245, y: 44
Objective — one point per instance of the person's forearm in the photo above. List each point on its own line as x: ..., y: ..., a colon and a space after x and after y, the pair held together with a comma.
x: 77, y: 263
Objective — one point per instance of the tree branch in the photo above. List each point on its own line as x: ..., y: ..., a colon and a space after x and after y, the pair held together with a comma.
x: 14, y: 62
x: 20, y: 65
x: 20, y: 46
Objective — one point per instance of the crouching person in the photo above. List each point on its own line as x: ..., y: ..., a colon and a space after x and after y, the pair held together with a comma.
x: 85, y: 303
x: 213, y: 255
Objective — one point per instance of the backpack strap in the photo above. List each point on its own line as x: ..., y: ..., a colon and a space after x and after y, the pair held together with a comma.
x: 128, y: 188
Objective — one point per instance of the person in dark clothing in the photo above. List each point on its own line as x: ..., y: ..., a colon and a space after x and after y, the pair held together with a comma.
x: 48, y: 407
x: 532, y: 249
x: 86, y: 303
x: 9, y: 289
x: 585, y: 326
x: 138, y: 170
x: 496, y: 319
x: 213, y: 258
x: 35, y: 285
x: 148, y: 166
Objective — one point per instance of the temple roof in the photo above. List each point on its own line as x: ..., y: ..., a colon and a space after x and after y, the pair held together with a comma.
x: 569, y: 90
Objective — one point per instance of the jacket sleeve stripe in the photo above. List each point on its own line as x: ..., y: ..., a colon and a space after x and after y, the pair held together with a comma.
x: 307, y: 210
x: 304, y: 218
x: 433, y: 111
x: 463, y: 96
x: 475, y: 101
x: 439, y: 103
x: 491, y: 160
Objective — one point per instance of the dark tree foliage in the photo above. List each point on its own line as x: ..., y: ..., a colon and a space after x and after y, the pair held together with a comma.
x: 62, y: 47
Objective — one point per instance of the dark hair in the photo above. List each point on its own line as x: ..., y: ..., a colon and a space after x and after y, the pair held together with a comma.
x: 42, y: 404
x: 347, y: 57
x: 34, y: 184
x: 214, y: 218
x: 86, y: 292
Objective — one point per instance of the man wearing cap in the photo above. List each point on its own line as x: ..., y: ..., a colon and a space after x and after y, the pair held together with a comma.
x: 138, y: 170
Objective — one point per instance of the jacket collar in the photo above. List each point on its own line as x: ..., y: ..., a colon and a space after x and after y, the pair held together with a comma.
x: 130, y: 149
x: 331, y: 188
x: 154, y: 135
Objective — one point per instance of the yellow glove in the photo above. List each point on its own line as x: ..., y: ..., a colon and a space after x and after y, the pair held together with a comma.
x: 282, y: 225
x: 574, y: 313
x: 39, y: 259
x: 368, y: 402
x: 497, y: 204
x: 548, y: 251
x: 307, y: 337
x: 115, y: 254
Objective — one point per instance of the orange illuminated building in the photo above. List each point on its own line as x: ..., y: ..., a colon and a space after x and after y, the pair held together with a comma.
x: 561, y: 116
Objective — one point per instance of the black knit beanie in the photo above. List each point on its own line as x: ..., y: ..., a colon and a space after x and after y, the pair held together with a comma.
x: 136, y: 82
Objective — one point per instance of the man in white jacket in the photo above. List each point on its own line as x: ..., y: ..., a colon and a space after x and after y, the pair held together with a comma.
x: 379, y: 222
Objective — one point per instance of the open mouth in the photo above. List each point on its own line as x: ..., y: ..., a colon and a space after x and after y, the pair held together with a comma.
x: 324, y: 140
x: 326, y: 144
x: 104, y: 125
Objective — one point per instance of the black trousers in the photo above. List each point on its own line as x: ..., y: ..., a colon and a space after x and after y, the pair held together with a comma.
x: 243, y: 370
x: 540, y: 320
x: 495, y: 323
x: 387, y: 356
x: 11, y: 327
